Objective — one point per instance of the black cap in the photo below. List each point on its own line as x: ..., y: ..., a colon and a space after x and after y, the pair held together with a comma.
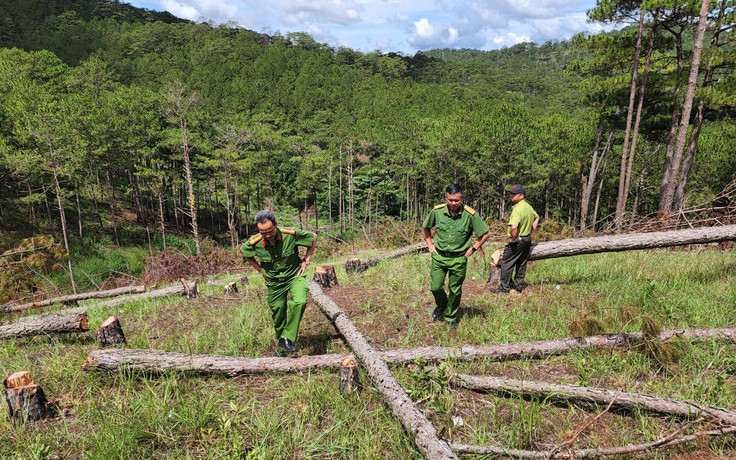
x: 518, y: 188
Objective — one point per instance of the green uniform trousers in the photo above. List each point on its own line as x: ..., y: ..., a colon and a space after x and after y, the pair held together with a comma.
x: 286, y: 324
x: 454, y: 268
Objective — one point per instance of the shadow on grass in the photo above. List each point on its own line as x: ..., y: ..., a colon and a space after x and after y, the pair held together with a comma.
x: 317, y: 344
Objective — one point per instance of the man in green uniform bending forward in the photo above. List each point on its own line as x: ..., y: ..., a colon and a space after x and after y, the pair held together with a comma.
x: 523, y: 223
x: 277, y: 249
x: 452, y: 246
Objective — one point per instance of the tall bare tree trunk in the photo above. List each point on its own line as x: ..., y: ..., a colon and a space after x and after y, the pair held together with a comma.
x: 622, y: 191
x: 666, y: 202
x: 589, y: 180
x: 639, y: 109
x: 64, y: 232
x: 679, y: 200
x: 79, y: 213
x: 111, y: 203
x: 191, y: 200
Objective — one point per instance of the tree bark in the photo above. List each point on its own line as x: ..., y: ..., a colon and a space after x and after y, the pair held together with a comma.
x: 325, y: 276
x: 622, y: 191
x: 10, y: 307
x: 414, y: 421
x: 632, y: 241
x: 38, y: 325
x: 667, y: 441
x: 64, y: 230
x: 360, y: 265
x: 110, y: 333
x: 26, y: 399
x: 159, y: 361
x: 669, y: 192
x: 595, y: 396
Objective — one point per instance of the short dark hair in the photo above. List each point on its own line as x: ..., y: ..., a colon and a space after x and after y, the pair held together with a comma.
x: 263, y: 216
x: 453, y: 189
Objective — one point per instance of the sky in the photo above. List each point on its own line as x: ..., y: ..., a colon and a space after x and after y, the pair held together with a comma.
x: 404, y: 26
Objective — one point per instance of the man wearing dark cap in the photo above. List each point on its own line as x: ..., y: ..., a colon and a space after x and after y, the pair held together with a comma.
x: 523, y: 223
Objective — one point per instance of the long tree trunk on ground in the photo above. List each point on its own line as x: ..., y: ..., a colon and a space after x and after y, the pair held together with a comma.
x: 64, y: 231
x: 414, y: 421
x: 632, y: 241
x: 159, y: 361
x: 592, y: 395
x: 12, y: 307
x: 666, y: 201
x: 622, y: 191
x: 45, y: 325
x: 580, y: 246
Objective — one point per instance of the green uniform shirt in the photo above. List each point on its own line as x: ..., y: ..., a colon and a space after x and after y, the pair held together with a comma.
x: 522, y: 217
x: 454, y: 233
x: 280, y: 261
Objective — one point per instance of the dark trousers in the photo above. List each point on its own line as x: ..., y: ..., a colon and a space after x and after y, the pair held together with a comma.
x: 514, y: 259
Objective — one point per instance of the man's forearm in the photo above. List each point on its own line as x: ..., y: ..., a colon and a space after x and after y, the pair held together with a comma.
x: 482, y: 239
x: 253, y: 263
x: 514, y: 233
x: 311, y: 249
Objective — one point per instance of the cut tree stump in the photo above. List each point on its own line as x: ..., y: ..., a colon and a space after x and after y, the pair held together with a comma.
x: 325, y: 276
x: 415, y: 422
x: 494, y: 269
x: 356, y: 266
x: 110, y: 333
x: 46, y: 324
x: 349, y: 379
x: 244, y: 280
x: 26, y: 399
x: 71, y: 299
x: 231, y: 288
x: 191, y: 290
x: 159, y: 361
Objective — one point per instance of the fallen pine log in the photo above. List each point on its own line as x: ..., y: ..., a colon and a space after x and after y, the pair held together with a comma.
x: 163, y: 292
x: 360, y: 265
x: 38, y: 325
x: 157, y: 361
x: 415, y: 422
x: 666, y: 441
x: 591, y: 395
x: 631, y: 241
x: 12, y: 307
x: 580, y: 246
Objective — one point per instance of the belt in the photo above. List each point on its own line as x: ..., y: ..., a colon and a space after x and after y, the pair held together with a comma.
x: 280, y: 280
x: 450, y: 254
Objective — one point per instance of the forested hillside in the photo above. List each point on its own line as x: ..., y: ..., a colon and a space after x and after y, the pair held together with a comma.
x: 111, y: 114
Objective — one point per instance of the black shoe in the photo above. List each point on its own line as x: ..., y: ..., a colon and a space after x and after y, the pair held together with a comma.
x: 452, y: 324
x: 499, y: 290
x: 437, y: 313
x: 287, y: 345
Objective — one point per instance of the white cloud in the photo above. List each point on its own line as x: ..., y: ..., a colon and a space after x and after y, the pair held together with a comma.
x: 398, y: 25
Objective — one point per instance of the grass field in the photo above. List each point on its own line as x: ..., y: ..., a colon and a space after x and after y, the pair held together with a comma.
x: 131, y: 416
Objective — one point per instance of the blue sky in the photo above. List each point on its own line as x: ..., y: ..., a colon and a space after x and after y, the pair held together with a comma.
x: 405, y: 26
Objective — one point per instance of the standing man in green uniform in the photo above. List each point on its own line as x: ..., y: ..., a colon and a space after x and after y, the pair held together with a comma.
x: 277, y: 249
x: 450, y: 250
x: 523, y: 223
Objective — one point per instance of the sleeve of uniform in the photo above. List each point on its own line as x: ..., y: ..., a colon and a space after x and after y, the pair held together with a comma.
x: 429, y: 221
x: 303, y: 237
x: 479, y: 227
x: 515, y: 218
x: 247, y: 250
